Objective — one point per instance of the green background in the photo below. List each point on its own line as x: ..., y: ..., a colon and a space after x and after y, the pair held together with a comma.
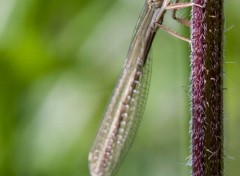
x: 59, y: 61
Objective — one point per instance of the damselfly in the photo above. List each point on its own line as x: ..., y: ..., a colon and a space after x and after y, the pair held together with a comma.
x: 126, y: 107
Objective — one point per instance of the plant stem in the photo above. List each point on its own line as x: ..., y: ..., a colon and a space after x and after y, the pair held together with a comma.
x: 207, y: 88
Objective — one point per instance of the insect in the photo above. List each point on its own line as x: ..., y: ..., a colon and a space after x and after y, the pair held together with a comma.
x: 125, y: 111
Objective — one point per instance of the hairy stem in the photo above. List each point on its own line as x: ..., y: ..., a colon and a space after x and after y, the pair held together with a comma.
x: 207, y: 88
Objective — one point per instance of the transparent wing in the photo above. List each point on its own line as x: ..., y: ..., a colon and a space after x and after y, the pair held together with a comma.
x: 125, y: 111
x: 136, y: 111
x: 121, y: 121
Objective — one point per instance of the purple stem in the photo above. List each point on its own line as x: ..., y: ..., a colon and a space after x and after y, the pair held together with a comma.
x: 207, y: 88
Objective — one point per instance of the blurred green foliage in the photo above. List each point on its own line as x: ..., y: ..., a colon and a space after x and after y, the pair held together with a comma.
x: 59, y: 61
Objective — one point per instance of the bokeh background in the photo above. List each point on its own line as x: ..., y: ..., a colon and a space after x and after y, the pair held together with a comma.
x: 59, y: 61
